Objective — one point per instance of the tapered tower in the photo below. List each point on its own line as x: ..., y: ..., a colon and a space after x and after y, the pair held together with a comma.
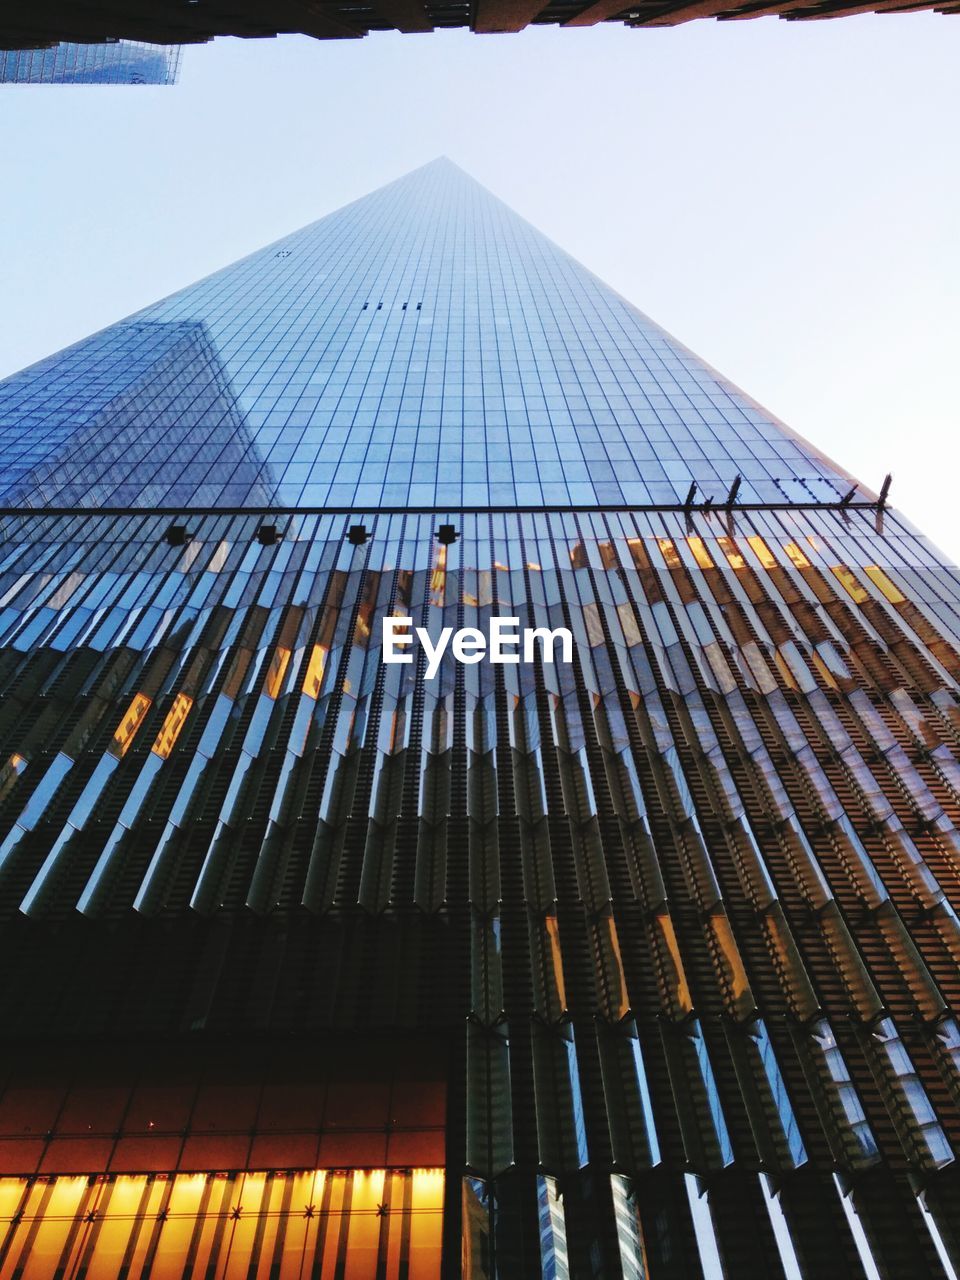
x: 641, y: 964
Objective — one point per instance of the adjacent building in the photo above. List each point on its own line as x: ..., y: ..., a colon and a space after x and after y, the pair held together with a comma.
x: 643, y: 965
x: 175, y: 22
x: 112, y: 62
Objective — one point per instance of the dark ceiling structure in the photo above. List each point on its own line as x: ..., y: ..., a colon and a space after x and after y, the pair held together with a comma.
x: 42, y: 22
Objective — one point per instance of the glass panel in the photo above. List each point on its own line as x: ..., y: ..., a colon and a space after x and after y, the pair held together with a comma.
x: 334, y: 1225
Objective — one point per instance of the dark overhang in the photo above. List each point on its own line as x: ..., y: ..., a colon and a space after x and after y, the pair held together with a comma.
x: 42, y: 22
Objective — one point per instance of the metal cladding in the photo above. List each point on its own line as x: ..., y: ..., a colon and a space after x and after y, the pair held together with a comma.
x: 656, y: 951
x: 168, y: 21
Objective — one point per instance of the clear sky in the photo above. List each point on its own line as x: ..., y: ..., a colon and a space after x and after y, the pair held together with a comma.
x: 783, y: 197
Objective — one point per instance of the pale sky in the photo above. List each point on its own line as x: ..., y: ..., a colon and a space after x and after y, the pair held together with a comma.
x: 783, y: 197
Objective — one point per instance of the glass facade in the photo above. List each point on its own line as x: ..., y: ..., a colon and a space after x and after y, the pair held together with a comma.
x: 655, y: 951
x: 421, y: 347
x: 114, y: 62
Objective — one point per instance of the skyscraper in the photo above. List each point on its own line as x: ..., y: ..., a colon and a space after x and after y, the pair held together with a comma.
x: 113, y: 62
x: 642, y: 964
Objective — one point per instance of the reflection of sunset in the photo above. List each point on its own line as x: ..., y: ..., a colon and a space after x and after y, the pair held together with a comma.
x: 313, y: 679
x: 276, y: 671
x: 438, y: 578
x: 170, y: 731
x: 127, y: 728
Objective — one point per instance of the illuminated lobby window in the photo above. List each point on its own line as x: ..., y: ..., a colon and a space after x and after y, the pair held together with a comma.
x: 328, y: 1224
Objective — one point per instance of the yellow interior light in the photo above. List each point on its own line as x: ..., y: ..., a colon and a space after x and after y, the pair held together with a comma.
x: 228, y: 1224
x: 700, y: 553
x: 850, y: 584
x: 276, y: 671
x: 438, y: 578
x: 556, y: 958
x: 315, y: 669
x: 677, y: 980
x: 17, y: 762
x: 729, y: 548
x: 763, y: 552
x: 126, y: 730
x: 729, y: 955
x: 880, y: 579
x: 170, y: 732
x: 362, y: 631
x: 796, y: 555
x: 669, y: 552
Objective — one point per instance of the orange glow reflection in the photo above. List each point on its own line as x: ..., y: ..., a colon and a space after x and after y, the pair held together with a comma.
x: 438, y: 578
x: 763, y: 552
x: 276, y: 671
x: 349, y: 1224
x: 880, y: 579
x: 11, y: 771
x: 729, y: 548
x: 669, y: 552
x: 170, y: 732
x: 848, y: 579
x: 796, y: 555
x: 700, y: 552
x: 127, y: 728
x: 315, y: 669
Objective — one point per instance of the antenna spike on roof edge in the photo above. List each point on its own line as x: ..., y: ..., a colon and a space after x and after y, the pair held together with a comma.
x: 885, y: 489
